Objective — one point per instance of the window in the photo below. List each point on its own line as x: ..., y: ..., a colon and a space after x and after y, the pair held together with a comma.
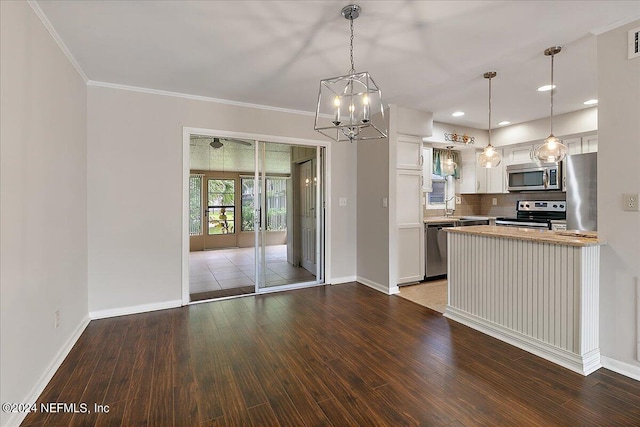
x: 221, y: 204
x: 437, y: 195
x: 276, y: 204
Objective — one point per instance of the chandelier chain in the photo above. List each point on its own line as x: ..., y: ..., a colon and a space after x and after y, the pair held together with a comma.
x: 353, y: 69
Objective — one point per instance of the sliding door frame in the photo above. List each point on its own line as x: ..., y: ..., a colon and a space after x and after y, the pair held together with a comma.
x: 325, y: 202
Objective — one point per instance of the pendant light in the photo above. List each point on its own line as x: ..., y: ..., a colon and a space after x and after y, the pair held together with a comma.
x: 552, y: 150
x: 489, y: 158
x: 448, y: 166
x: 350, y: 107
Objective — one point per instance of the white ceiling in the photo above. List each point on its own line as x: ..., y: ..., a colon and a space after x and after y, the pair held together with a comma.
x: 427, y: 55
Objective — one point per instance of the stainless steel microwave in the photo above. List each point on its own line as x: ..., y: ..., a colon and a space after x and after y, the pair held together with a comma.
x: 534, y: 177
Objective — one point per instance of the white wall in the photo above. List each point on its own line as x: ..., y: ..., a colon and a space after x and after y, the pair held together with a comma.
x: 43, y: 203
x: 574, y: 123
x: 135, y: 190
x: 618, y: 173
x: 372, y: 217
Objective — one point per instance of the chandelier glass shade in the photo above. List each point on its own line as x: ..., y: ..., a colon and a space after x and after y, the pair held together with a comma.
x: 552, y: 150
x: 350, y: 106
x: 489, y: 158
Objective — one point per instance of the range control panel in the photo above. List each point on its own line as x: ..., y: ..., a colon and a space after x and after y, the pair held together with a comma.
x: 542, y: 205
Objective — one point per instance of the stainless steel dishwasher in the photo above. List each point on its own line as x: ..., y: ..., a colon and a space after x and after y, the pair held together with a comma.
x: 435, y: 242
x: 435, y: 239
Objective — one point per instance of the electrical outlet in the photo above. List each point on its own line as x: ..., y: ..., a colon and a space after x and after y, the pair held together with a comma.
x: 458, y: 200
x: 385, y: 202
x: 630, y: 202
x: 56, y: 318
x: 494, y: 201
x: 342, y: 201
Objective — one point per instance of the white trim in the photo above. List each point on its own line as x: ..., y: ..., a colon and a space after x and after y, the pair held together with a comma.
x: 134, y: 309
x: 56, y: 37
x: 584, y: 365
x: 378, y: 286
x: 614, y: 25
x: 196, y: 97
x: 340, y: 280
x: 32, y: 397
x: 622, y: 368
x: 185, y: 215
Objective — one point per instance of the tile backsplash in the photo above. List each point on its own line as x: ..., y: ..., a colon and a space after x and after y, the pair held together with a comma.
x: 506, y: 203
x: 482, y: 204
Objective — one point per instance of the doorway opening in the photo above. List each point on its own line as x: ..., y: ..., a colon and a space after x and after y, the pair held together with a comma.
x: 256, y: 216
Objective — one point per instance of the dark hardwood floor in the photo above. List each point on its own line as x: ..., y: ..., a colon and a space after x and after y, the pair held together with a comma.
x: 341, y: 355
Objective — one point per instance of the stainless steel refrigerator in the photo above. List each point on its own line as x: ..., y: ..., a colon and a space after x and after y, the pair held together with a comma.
x: 582, y: 195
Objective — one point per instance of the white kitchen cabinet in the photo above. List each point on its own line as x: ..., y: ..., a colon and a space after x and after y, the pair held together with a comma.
x: 522, y: 153
x: 409, y: 219
x: 590, y: 144
x: 409, y: 153
x: 574, y: 145
x: 485, y: 180
x: 427, y: 169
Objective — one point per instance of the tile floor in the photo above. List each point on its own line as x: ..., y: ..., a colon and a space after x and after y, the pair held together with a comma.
x: 432, y: 295
x: 235, y: 268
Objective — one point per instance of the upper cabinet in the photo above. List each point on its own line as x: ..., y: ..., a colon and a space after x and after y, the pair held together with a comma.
x: 590, y: 144
x: 521, y: 153
x: 475, y: 179
x: 409, y: 153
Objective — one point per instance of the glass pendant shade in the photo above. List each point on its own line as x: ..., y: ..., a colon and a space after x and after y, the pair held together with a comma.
x: 490, y: 157
x: 552, y: 150
x: 449, y: 167
x: 350, y: 106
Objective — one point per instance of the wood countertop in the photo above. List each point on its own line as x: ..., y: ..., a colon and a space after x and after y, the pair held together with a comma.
x: 568, y: 238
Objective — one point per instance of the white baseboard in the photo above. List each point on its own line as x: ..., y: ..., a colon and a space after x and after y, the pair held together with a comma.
x: 135, y: 309
x: 16, y: 418
x: 378, y: 286
x: 622, y: 368
x: 583, y: 365
x: 345, y: 279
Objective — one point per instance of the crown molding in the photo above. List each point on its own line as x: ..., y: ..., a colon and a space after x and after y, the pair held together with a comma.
x: 195, y: 97
x: 56, y: 37
x: 614, y: 25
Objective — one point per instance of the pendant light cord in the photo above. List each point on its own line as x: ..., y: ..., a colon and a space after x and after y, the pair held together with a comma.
x: 489, y: 111
x: 552, y: 89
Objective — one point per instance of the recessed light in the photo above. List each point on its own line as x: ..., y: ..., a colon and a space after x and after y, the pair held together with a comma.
x: 504, y: 123
x: 458, y: 114
x: 591, y: 102
x: 546, y: 88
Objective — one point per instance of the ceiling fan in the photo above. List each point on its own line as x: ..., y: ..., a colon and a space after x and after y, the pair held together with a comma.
x: 217, y: 142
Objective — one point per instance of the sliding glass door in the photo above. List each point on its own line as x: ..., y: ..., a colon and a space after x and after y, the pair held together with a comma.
x: 256, y: 216
x: 289, y: 212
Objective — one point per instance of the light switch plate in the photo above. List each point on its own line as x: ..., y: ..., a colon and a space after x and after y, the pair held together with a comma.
x: 630, y: 202
x: 458, y: 200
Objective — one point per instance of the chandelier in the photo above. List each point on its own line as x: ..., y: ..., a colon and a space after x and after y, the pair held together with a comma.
x: 350, y: 107
x: 552, y: 150
x: 489, y: 158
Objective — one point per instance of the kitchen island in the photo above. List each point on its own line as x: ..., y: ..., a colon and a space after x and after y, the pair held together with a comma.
x: 535, y: 289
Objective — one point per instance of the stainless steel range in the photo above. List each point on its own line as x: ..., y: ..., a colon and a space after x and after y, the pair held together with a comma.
x: 540, y: 214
